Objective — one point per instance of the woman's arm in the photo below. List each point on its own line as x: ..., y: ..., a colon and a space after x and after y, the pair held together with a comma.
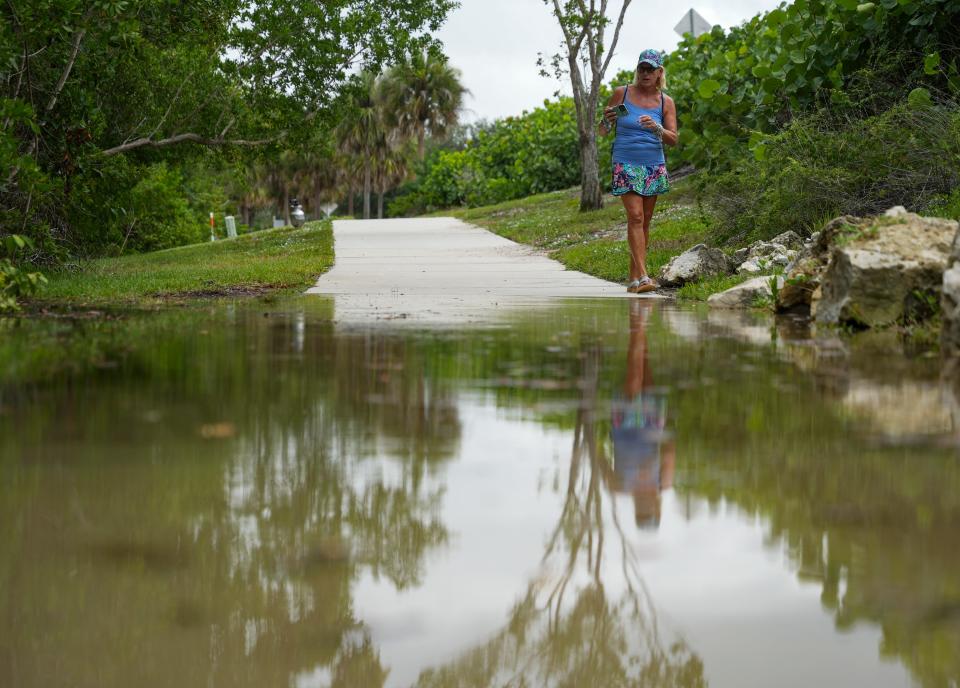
x: 610, y: 112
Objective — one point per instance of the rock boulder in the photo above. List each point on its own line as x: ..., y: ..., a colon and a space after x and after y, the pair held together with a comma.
x: 881, y: 272
x: 693, y: 264
x: 803, y: 274
x: 950, y: 302
x: 744, y: 295
x: 764, y: 257
x: 788, y: 239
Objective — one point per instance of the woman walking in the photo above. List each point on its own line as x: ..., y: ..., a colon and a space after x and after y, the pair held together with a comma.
x: 645, y: 119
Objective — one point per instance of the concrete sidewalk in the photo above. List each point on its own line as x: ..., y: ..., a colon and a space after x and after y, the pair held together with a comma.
x: 438, y: 268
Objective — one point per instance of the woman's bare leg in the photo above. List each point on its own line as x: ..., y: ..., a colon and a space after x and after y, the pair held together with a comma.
x: 635, y: 205
x: 649, y: 203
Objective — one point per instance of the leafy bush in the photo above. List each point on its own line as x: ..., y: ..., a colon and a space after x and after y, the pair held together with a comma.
x: 946, y: 205
x: 512, y: 158
x: 733, y: 88
x: 158, y: 215
x: 15, y: 281
x: 119, y: 206
x: 818, y: 168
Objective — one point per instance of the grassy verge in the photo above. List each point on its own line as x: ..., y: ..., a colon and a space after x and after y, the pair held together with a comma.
x: 594, y: 243
x: 251, y: 264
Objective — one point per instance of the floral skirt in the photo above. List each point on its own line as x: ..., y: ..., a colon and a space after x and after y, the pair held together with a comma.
x: 646, y: 180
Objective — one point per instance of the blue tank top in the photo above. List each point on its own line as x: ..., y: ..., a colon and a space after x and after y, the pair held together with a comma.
x: 635, y: 145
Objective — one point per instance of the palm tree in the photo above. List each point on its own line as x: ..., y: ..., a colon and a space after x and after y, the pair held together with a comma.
x: 422, y: 95
x: 393, y: 168
x: 347, y: 169
x: 250, y: 190
x: 361, y: 132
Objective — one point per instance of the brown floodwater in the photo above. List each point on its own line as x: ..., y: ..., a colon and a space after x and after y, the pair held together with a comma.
x: 588, y: 493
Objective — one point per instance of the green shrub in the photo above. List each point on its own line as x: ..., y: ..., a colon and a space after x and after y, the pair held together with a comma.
x: 947, y: 205
x: 122, y: 207
x: 818, y: 168
x: 512, y: 158
x: 157, y: 214
x: 734, y: 87
x: 15, y: 280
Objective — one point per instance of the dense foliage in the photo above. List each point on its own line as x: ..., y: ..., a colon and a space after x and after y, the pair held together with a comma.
x: 778, y: 110
x: 780, y: 103
x: 109, y: 108
x: 16, y: 281
x: 817, y: 169
x: 387, y: 119
x: 511, y: 158
x: 734, y: 87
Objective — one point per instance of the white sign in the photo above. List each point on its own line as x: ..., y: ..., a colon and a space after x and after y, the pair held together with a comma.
x: 693, y: 24
x: 231, y: 226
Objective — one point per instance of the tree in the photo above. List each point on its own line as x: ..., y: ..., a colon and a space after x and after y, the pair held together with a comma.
x: 583, y: 29
x: 393, y: 168
x: 361, y: 133
x: 83, y: 84
x: 422, y: 95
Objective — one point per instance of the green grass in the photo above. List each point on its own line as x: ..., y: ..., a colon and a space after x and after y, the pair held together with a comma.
x: 251, y: 264
x: 595, y: 242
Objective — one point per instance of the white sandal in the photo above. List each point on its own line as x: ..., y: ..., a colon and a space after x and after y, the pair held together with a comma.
x: 641, y: 286
x: 646, y: 284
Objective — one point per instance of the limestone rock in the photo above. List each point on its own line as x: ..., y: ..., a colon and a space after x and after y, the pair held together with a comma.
x: 765, y: 256
x: 744, y: 295
x: 803, y: 273
x: 739, y: 257
x: 693, y: 264
x: 803, y: 277
x: 788, y: 239
x: 950, y: 302
x: 880, y: 272
x: 896, y: 211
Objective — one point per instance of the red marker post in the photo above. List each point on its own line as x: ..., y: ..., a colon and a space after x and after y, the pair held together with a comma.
x: 213, y: 236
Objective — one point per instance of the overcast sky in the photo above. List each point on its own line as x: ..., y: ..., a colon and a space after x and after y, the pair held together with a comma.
x: 494, y: 43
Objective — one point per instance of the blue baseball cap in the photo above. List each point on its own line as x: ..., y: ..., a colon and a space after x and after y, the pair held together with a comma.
x: 654, y: 58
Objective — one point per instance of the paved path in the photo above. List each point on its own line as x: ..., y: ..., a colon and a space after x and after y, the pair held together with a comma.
x: 435, y: 268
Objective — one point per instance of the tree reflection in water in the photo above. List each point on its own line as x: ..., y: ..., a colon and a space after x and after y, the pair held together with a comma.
x: 152, y: 554
x: 588, y: 619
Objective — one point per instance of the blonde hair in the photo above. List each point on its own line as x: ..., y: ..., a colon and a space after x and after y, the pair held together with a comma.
x: 661, y: 80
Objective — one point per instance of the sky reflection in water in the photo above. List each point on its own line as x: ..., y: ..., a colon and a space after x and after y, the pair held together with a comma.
x: 600, y: 493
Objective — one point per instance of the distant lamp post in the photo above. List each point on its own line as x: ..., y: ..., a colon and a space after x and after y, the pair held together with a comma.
x: 297, y: 216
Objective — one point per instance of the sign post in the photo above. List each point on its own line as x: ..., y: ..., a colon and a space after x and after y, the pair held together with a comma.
x: 693, y: 24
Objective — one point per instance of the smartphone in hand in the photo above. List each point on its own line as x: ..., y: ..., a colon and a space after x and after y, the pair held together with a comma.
x: 621, y: 110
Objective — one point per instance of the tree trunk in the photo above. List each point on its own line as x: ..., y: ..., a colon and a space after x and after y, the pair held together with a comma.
x: 286, y: 204
x: 583, y: 35
x: 380, y: 204
x: 350, y: 201
x: 421, y: 136
x: 366, y: 192
x: 591, y: 194
x: 317, y: 213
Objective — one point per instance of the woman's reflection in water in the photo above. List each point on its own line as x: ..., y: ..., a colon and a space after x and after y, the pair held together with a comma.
x: 643, y: 451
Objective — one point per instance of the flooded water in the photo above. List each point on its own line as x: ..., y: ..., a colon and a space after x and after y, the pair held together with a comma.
x: 596, y: 493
